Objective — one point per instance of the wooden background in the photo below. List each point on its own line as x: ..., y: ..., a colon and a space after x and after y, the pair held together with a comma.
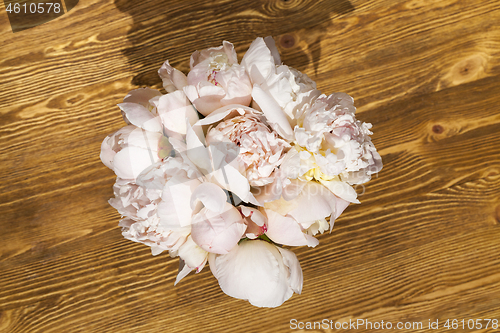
x: 424, y: 243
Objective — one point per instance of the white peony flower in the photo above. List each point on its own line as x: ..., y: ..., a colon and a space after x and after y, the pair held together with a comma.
x: 332, y: 145
x: 259, y: 272
x: 215, y: 79
x: 278, y: 90
x: 142, y: 143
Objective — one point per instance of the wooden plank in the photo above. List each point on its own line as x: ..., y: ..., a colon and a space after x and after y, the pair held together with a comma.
x: 422, y: 245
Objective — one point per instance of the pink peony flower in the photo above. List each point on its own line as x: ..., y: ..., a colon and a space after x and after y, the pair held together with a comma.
x: 139, y: 201
x: 259, y: 272
x: 215, y: 79
x: 260, y: 150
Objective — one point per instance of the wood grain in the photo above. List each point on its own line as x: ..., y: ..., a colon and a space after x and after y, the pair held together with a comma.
x: 423, y: 244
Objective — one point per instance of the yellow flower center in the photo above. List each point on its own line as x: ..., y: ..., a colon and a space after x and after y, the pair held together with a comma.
x: 314, y: 173
x: 219, y: 61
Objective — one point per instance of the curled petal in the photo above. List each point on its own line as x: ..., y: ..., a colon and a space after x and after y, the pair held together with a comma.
x: 139, y: 116
x: 211, y: 196
x: 206, y: 104
x: 226, y: 112
x: 107, y: 153
x: 172, y: 78
x: 285, y: 230
x: 294, y: 271
x: 273, y: 112
x: 218, y: 232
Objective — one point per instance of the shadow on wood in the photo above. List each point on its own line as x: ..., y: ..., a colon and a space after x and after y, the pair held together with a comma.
x: 173, y: 30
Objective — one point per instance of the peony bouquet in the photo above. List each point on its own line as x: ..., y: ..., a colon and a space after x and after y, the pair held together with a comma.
x: 235, y: 161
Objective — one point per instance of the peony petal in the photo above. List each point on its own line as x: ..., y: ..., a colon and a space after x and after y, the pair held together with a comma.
x: 197, y: 152
x: 156, y: 250
x: 171, y: 77
x: 139, y: 116
x: 129, y: 162
x: 271, y: 45
x: 254, y: 215
x: 143, y: 139
x: 218, y: 232
x: 229, y: 50
x: 285, y: 230
x: 232, y: 180
x: 296, y: 278
x: 183, y: 272
x: 175, y: 208
x: 259, y: 62
x: 253, y: 271
x: 193, y: 257
x: 107, y: 153
x: 342, y: 190
x: 207, y: 104
x: 340, y: 206
x: 211, y: 195
x: 212, y: 91
x: 225, y: 112
x: 255, y: 221
x: 314, y: 203
x: 174, y: 110
x: 273, y: 113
